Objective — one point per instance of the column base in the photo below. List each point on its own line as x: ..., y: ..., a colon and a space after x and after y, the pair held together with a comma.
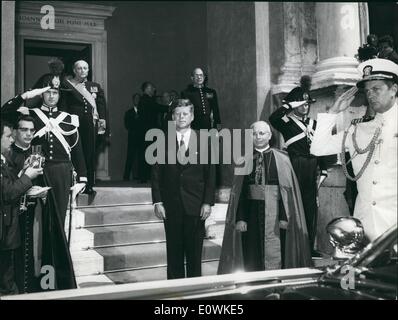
x: 336, y: 71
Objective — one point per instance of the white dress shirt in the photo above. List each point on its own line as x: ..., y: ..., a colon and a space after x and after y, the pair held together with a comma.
x: 187, y: 136
x: 376, y: 204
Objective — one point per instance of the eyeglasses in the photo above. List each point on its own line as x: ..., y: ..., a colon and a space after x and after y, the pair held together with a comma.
x: 27, y: 130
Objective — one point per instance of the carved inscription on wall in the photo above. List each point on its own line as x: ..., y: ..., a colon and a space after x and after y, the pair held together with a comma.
x: 64, y: 23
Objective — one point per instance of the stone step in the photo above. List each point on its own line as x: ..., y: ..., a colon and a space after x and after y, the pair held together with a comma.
x: 118, y: 214
x: 132, y: 213
x: 146, y: 255
x: 93, y: 281
x: 209, y: 268
x: 115, y: 195
x: 128, y: 234
x: 88, y: 262
x: 118, y: 195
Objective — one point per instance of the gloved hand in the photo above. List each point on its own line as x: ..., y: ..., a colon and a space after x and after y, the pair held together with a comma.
x: 34, y: 93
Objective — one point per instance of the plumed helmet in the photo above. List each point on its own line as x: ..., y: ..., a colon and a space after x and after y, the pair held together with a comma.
x: 346, y: 236
x: 48, y: 80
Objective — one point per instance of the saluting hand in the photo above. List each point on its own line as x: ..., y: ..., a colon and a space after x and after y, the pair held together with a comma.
x: 296, y: 104
x: 34, y: 93
x: 344, y: 101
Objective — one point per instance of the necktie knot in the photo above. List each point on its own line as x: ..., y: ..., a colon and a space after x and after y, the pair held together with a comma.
x: 182, y: 141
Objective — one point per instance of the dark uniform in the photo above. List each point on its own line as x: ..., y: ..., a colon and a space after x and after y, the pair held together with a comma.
x: 149, y: 113
x: 206, y: 112
x: 297, y: 135
x: 62, y: 150
x: 12, y: 189
x: 77, y: 104
x: 131, y: 123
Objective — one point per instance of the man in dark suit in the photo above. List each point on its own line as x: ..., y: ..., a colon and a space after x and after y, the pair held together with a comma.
x: 204, y: 99
x: 183, y: 195
x: 12, y: 189
x: 131, y: 123
x: 150, y: 112
x: 87, y: 100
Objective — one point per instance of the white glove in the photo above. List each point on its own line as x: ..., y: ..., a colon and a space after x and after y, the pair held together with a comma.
x: 34, y: 93
x: 296, y: 104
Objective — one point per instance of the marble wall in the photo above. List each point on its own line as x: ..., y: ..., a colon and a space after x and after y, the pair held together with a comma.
x: 7, y: 50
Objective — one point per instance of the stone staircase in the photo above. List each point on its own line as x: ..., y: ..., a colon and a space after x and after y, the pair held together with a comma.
x: 116, y: 238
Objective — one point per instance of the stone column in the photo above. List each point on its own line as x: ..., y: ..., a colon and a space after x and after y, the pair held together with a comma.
x: 291, y: 69
x: 7, y: 50
x: 338, y: 29
x: 263, y: 68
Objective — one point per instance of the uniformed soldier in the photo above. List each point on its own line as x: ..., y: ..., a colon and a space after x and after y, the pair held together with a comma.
x: 372, y: 145
x: 87, y: 100
x: 57, y: 134
x: 204, y: 99
x: 297, y: 129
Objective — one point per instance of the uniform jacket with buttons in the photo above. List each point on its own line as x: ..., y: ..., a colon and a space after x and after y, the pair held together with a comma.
x: 280, y: 120
x: 75, y: 103
x: 376, y: 203
x: 12, y: 189
x: 52, y: 149
x: 205, y: 103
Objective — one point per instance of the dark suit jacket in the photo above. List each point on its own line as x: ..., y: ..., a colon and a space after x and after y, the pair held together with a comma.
x: 184, y: 187
x: 149, y: 112
x: 12, y: 189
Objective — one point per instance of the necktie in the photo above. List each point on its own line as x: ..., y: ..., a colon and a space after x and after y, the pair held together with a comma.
x: 181, y: 149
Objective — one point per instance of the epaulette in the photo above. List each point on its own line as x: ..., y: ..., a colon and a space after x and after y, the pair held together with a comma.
x: 360, y: 120
x: 356, y: 121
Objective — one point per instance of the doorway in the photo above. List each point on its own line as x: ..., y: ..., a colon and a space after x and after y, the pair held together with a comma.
x: 38, y: 53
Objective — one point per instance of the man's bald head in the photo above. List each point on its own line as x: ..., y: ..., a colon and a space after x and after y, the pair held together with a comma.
x: 261, y: 134
x: 261, y: 125
x: 80, y: 62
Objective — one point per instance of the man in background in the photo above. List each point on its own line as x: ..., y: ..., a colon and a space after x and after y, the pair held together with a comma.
x: 205, y: 101
x: 132, y: 123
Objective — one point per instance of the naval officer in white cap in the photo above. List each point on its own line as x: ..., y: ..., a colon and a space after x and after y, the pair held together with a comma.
x: 372, y: 145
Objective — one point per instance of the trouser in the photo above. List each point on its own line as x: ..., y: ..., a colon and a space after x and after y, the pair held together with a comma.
x: 131, y: 159
x: 144, y: 167
x: 305, y: 169
x: 184, y: 239
x: 87, y: 132
x: 8, y: 284
x: 58, y: 176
